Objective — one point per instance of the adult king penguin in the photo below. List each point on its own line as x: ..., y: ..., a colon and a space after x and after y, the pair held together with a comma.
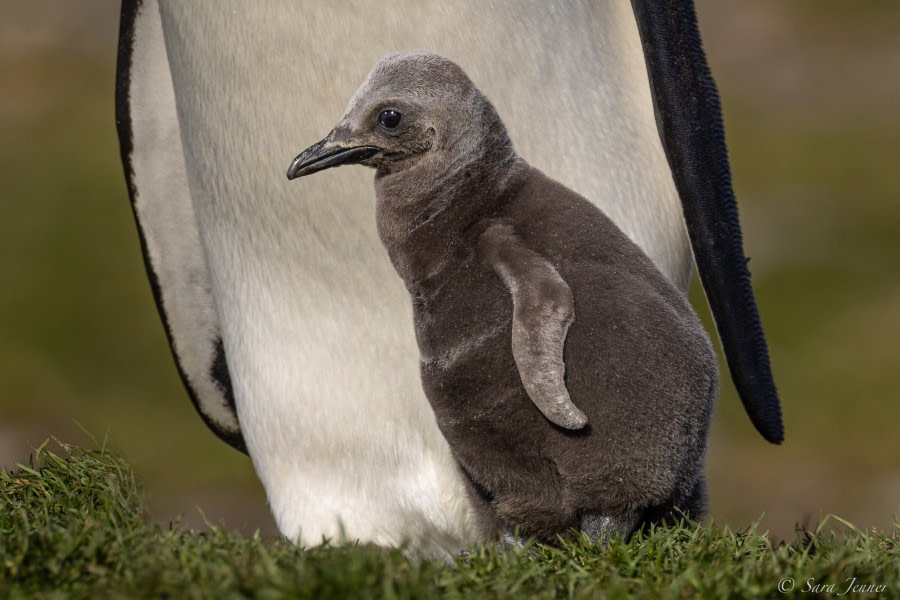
x: 289, y: 327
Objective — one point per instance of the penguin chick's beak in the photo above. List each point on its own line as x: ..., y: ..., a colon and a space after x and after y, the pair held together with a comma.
x: 324, y: 155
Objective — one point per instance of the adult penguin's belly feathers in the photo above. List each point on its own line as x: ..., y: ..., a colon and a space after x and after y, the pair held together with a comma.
x: 297, y: 294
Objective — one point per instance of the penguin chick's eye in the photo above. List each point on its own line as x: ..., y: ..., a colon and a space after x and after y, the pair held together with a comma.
x: 389, y: 119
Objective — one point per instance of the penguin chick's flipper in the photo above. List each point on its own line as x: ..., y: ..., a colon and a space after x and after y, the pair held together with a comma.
x: 543, y: 309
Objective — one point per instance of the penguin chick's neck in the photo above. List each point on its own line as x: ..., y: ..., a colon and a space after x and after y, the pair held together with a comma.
x: 422, y: 212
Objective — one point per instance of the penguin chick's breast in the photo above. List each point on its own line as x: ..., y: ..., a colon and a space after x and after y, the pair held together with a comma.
x: 637, y: 363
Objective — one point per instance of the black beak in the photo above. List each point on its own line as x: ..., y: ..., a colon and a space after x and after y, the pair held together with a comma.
x: 324, y: 155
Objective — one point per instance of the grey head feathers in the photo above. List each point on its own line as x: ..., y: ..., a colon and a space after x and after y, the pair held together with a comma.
x: 444, y: 121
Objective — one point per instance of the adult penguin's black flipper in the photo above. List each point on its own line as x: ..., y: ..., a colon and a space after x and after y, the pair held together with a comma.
x: 689, y: 118
x: 152, y: 156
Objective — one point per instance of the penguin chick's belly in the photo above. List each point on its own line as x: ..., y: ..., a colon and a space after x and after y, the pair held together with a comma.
x: 637, y: 367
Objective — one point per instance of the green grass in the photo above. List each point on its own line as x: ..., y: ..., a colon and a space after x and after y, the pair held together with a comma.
x: 73, y: 523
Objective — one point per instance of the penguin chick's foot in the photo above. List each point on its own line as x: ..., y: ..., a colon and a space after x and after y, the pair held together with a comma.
x: 601, y: 527
x: 511, y: 539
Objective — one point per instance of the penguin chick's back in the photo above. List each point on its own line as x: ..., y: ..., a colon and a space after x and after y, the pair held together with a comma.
x: 637, y: 363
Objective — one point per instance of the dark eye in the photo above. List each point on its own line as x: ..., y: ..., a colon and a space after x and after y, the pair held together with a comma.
x: 389, y: 118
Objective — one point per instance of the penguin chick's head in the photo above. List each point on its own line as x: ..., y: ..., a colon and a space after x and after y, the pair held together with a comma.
x: 413, y: 106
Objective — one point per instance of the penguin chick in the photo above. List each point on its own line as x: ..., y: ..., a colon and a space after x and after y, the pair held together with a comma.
x: 573, y: 382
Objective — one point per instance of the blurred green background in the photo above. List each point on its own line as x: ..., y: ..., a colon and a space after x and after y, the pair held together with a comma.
x: 811, y: 94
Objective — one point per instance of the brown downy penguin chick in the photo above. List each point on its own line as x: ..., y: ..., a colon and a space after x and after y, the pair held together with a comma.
x: 573, y: 382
